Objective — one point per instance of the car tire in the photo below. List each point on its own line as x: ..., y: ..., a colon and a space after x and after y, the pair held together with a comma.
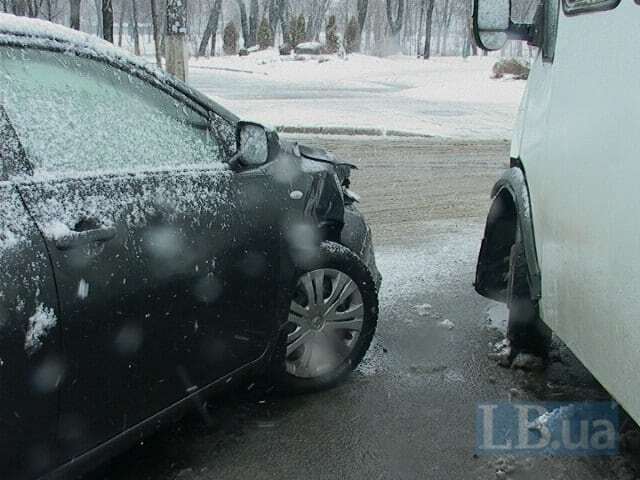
x: 526, y: 331
x: 343, y: 290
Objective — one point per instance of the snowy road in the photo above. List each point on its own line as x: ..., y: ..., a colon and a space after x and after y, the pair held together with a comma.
x: 448, y: 97
x: 409, y: 411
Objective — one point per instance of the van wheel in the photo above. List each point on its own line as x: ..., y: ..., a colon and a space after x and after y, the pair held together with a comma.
x: 333, y: 313
x: 525, y: 329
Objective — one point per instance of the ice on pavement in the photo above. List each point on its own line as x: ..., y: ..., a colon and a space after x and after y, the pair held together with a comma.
x: 448, y: 324
x: 444, y: 96
x: 423, y: 310
x: 526, y: 361
x: 498, y: 316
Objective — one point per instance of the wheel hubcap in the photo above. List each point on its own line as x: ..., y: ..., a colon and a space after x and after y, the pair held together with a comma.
x: 327, y: 315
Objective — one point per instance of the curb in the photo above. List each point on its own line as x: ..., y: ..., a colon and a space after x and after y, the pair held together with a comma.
x: 350, y: 131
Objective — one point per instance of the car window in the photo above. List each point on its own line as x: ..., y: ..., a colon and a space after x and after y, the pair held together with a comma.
x: 75, y: 114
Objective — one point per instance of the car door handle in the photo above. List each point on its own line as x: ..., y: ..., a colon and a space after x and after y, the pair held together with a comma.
x: 85, y: 237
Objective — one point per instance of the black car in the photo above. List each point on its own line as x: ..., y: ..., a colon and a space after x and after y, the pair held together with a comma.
x: 153, y: 249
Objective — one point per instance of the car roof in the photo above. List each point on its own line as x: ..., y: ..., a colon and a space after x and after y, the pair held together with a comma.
x: 40, y: 34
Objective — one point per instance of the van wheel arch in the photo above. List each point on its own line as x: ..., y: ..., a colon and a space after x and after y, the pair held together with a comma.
x: 510, y: 214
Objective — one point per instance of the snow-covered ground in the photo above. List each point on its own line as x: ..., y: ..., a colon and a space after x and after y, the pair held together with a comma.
x: 445, y: 96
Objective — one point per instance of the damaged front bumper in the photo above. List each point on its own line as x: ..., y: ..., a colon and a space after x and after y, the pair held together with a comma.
x: 356, y: 235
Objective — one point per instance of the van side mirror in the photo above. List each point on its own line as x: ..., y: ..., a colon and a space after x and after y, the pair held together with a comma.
x: 492, y: 25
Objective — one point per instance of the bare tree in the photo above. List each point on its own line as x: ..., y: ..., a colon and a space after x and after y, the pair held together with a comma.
x: 254, y: 19
x: 107, y: 20
x: 426, y: 54
x: 123, y: 13
x: 316, y: 18
x: 156, y: 25
x: 136, y: 30
x: 284, y: 10
x: 34, y: 7
x: 175, y: 39
x: 363, y: 7
x: 98, y: 7
x: 211, y: 30
x: 396, y: 25
x: 74, y: 14
x: 244, y: 23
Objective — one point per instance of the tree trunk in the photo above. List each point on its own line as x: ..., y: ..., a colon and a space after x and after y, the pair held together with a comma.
x: 107, y: 20
x: 427, y: 34
x: 34, y: 7
x: 98, y: 5
x: 420, y: 23
x: 283, y: 14
x: 254, y: 18
x: 446, y: 22
x: 175, y: 39
x: 20, y: 8
x: 244, y: 24
x: 123, y: 14
x: 155, y: 21
x: 395, y: 25
x: 211, y: 30
x: 136, y: 32
x: 316, y: 19
x: 363, y: 7
x: 74, y: 14
x: 272, y: 11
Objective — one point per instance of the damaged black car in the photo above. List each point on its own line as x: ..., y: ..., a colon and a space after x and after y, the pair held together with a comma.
x: 153, y: 249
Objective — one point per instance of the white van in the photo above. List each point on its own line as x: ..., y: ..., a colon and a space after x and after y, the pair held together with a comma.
x: 562, y: 242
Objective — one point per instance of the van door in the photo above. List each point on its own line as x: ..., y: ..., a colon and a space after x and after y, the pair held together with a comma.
x: 31, y: 365
x: 585, y: 194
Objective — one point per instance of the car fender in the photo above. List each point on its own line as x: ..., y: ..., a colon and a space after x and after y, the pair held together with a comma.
x: 504, y: 221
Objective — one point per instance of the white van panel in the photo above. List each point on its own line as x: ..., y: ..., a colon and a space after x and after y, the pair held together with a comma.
x: 580, y: 146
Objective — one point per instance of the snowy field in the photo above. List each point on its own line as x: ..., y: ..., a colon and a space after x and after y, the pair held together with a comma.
x: 445, y: 96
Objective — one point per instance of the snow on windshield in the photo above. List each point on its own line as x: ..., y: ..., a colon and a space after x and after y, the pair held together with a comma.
x: 77, y: 115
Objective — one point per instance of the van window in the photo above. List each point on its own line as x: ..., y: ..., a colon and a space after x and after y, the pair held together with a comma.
x: 75, y: 114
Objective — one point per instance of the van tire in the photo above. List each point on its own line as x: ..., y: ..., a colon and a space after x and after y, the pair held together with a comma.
x: 526, y: 331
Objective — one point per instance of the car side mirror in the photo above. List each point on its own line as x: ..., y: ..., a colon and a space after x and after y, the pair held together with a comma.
x: 255, y: 144
x: 492, y: 25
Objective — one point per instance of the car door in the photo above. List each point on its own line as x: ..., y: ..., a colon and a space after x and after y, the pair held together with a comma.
x: 141, y: 219
x: 31, y: 365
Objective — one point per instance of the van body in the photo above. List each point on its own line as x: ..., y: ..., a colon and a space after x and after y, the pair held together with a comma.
x: 576, y: 147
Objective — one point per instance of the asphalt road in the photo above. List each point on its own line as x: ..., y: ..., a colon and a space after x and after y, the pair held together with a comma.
x: 409, y: 411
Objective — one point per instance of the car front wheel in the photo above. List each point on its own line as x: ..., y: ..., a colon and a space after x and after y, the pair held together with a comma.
x: 333, y: 313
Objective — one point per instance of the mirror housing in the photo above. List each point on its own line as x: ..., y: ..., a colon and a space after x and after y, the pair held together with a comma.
x: 255, y: 144
x: 492, y: 25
